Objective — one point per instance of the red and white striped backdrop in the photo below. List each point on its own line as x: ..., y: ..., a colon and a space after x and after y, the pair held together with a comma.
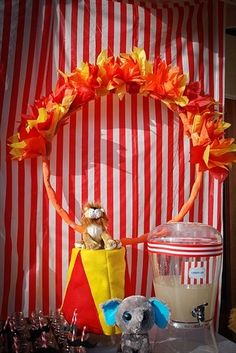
x: 130, y: 154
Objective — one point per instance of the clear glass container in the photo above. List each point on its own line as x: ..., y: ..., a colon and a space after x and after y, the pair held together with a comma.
x: 186, y: 261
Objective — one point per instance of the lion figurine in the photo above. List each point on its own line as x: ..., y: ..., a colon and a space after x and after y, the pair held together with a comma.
x: 95, y: 235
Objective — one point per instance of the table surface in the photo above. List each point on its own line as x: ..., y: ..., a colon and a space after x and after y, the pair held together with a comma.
x: 190, y: 341
x: 223, y: 344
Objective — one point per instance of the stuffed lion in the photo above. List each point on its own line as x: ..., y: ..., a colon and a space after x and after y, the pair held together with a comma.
x: 95, y: 235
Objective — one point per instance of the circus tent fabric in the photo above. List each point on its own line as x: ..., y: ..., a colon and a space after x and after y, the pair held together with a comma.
x: 130, y: 154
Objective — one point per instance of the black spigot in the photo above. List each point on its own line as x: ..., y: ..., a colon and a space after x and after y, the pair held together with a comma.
x: 199, y: 313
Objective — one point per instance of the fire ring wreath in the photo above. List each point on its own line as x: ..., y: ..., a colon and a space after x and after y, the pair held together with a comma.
x: 129, y: 73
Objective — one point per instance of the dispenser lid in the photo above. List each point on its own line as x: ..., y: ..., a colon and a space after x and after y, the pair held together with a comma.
x: 185, y: 239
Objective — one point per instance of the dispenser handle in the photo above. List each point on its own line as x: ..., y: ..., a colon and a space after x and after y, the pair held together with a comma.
x: 199, y: 312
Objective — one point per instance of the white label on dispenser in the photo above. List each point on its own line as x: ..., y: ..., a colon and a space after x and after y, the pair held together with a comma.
x: 197, y: 272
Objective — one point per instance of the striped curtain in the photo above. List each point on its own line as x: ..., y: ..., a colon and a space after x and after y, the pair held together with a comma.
x: 131, y: 155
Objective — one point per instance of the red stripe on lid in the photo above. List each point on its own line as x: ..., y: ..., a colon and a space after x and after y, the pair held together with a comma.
x: 185, y: 254
x: 186, y: 245
x: 189, y: 250
x: 182, y: 250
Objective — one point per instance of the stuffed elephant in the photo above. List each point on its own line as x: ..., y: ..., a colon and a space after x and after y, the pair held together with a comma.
x: 135, y: 315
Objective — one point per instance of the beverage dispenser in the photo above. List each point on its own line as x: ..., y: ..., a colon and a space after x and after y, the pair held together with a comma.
x: 186, y: 260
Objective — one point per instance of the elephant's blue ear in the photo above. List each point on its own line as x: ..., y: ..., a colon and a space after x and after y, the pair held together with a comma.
x: 161, y: 312
x: 109, y: 309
